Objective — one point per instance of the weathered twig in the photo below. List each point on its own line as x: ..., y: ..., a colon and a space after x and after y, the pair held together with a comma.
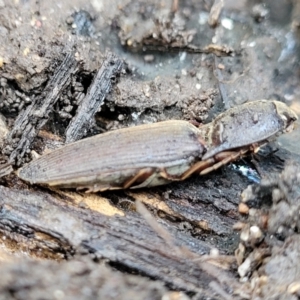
x: 94, y: 98
x: 215, y: 13
x: 34, y: 117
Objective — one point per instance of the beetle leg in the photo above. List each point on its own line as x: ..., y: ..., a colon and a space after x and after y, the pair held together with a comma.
x: 213, y: 163
x: 198, y: 167
x: 255, y: 147
x: 140, y: 177
x: 164, y: 174
x: 94, y: 188
x: 223, y: 158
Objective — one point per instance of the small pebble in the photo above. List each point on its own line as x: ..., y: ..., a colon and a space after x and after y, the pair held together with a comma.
x: 184, y: 72
x: 149, y: 58
x: 227, y: 23
x: 70, y: 20
x: 255, y: 232
x: 199, y: 76
x: 182, y: 56
x: 121, y: 117
x: 243, y: 209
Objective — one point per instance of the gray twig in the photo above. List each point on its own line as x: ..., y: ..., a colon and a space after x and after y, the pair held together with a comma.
x: 34, y: 117
x: 94, y: 98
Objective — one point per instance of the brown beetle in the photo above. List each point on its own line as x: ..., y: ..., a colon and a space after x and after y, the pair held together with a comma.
x: 155, y: 154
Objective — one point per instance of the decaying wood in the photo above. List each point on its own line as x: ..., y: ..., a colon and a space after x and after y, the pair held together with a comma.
x: 199, y: 201
x: 94, y: 98
x: 60, y: 228
x: 35, y: 116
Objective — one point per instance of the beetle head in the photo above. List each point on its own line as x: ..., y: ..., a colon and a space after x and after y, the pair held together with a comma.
x: 254, y: 122
x: 287, y: 115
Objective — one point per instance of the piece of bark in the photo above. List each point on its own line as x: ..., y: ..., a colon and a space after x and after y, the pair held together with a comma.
x: 53, y: 227
x: 94, y: 98
x: 34, y: 117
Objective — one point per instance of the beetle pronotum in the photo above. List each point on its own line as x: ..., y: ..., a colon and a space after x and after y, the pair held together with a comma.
x: 155, y: 154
